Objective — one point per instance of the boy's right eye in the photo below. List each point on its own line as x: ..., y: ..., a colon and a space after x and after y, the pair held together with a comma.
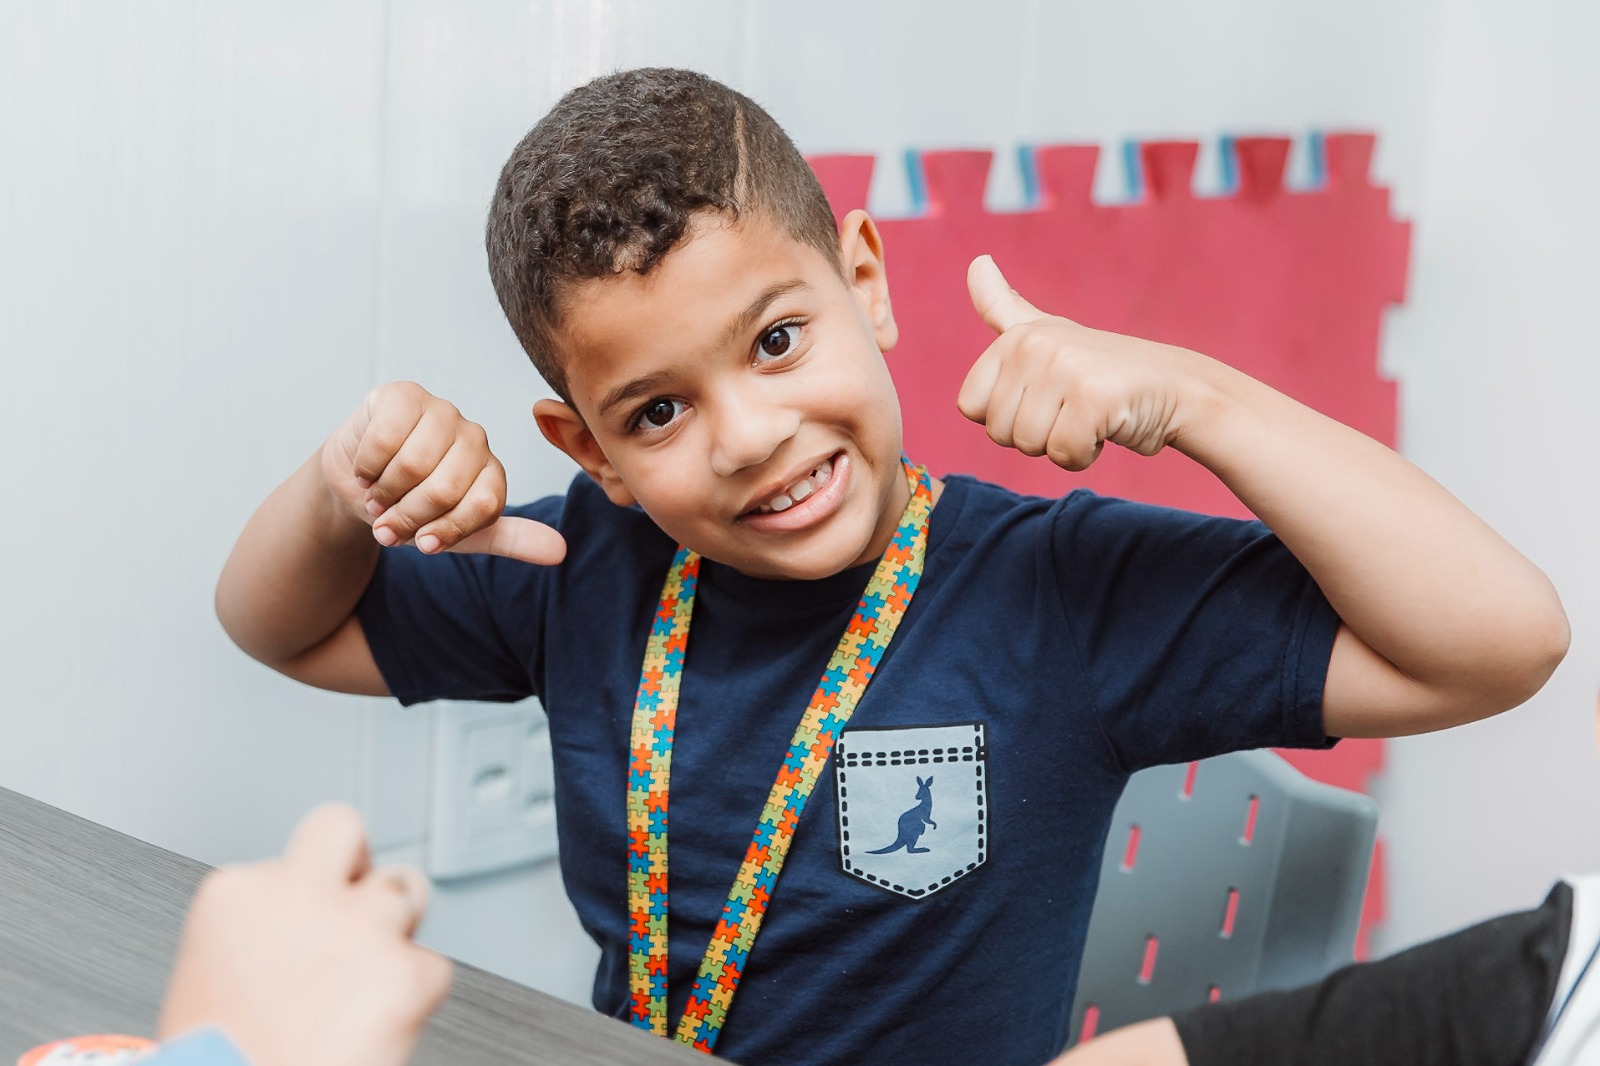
x: 657, y: 414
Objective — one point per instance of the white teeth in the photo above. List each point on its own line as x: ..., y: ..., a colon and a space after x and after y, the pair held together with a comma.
x: 800, y: 489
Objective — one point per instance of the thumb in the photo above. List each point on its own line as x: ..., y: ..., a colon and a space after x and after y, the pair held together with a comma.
x: 516, y: 538
x: 330, y: 844
x: 997, y: 303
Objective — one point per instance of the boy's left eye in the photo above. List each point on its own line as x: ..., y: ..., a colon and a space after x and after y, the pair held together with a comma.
x: 779, y: 340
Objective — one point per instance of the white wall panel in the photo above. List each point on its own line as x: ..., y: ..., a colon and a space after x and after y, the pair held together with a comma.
x: 1499, y: 379
x: 189, y: 207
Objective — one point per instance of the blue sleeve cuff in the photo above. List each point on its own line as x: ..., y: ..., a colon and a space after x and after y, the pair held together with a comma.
x: 203, y: 1047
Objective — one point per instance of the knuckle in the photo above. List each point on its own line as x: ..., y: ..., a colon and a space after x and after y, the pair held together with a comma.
x: 480, y: 504
x: 1035, y: 341
x: 442, y: 408
x: 410, y: 468
x: 437, y: 498
x: 403, y: 524
x: 381, y: 440
x: 396, y: 394
x: 492, y: 481
x: 448, y: 529
x: 1063, y: 364
x: 1083, y: 457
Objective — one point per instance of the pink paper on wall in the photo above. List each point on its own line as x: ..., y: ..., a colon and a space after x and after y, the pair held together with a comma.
x: 1287, y: 285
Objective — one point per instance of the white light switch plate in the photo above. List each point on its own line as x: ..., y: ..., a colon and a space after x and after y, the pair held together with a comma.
x: 493, y: 789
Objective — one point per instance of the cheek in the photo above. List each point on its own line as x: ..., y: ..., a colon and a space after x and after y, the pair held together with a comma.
x: 858, y: 376
x: 671, y: 488
x: 874, y: 396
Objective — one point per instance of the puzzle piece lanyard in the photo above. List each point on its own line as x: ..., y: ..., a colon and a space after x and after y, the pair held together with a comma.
x: 655, y: 711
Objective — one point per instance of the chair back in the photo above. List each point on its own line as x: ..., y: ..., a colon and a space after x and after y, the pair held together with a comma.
x: 1221, y: 878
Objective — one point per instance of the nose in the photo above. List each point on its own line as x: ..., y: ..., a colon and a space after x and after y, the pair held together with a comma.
x: 748, y: 426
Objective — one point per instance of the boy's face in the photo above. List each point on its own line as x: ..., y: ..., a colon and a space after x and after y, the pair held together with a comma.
x: 738, y: 393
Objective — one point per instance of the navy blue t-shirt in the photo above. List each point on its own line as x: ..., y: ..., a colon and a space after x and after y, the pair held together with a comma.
x: 934, y: 903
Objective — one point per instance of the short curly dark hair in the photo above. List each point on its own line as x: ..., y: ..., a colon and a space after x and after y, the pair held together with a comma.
x: 610, y: 179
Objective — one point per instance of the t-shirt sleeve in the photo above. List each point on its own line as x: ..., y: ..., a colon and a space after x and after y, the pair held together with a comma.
x: 458, y: 626
x: 1475, y: 998
x: 1197, y: 635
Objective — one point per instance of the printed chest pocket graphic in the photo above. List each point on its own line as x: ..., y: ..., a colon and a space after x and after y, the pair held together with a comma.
x: 913, y: 805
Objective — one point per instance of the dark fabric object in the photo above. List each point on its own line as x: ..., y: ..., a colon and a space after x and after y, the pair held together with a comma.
x: 1090, y: 636
x: 1478, y: 997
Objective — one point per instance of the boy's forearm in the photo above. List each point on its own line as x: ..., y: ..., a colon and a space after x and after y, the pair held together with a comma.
x: 296, y: 572
x: 1151, y: 1043
x: 1416, y: 576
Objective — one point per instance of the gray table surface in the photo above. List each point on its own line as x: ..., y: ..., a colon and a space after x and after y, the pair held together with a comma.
x: 89, y: 918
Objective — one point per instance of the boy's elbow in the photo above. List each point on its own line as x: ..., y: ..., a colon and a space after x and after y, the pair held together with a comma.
x: 1528, y: 652
x: 235, y: 622
x: 227, y: 617
x: 1548, y: 641
x: 245, y: 629
x: 1480, y: 672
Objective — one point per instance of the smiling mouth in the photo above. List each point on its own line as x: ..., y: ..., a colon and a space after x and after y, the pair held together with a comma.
x: 798, y: 490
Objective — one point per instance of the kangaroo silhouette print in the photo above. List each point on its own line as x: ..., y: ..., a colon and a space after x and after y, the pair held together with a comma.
x: 912, y: 822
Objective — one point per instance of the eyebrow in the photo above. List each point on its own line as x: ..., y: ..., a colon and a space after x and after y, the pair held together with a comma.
x: 742, y: 323
x: 634, y: 389
x: 746, y: 319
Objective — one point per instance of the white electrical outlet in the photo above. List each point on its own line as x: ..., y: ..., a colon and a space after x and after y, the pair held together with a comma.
x: 493, y: 789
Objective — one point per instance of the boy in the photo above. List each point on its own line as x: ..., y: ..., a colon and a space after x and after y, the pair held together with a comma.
x: 673, y: 269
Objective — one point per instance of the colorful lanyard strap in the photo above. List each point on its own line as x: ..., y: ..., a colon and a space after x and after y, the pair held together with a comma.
x: 655, y: 711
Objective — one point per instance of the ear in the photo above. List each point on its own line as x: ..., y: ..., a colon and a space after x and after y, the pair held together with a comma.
x: 566, y: 429
x: 861, y: 258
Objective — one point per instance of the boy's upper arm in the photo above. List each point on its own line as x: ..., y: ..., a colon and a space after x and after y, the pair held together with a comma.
x: 1365, y: 695
x: 342, y: 662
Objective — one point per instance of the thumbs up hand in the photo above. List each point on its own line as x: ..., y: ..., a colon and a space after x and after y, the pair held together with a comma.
x: 1048, y: 386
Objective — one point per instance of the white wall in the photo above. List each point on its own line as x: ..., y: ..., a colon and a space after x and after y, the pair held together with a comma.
x: 221, y: 222
x: 1497, y: 358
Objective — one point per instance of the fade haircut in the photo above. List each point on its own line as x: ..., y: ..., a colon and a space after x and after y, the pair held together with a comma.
x: 611, y: 178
